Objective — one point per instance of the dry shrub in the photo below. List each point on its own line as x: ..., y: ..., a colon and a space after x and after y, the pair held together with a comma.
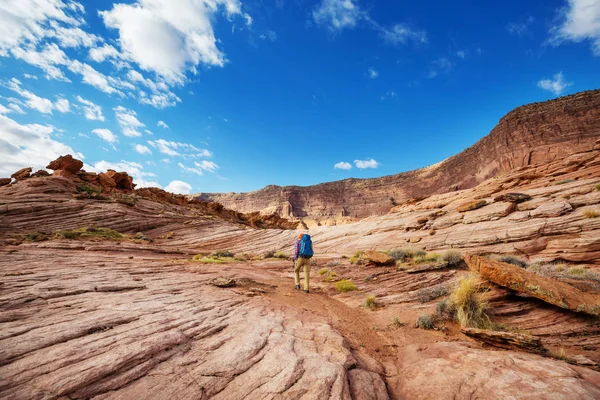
x: 370, y: 302
x: 470, y: 304
x: 591, y: 214
x: 425, y: 321
x: 400, y: 254
x: 345, y: 286
x: 509, y: 259
x: 452, y: 257
x: 433, y: 292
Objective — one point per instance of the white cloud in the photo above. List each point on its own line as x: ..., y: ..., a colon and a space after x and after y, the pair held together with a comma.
x: 179, y: 149
x: 337, y: 15
x: 32, y: 101
x: 169, y: 37
x: 179, y: 187
x: 190, y: 169
x: 142, y: 149
x: 94, y: 78
x: 28, y: 146
x: 162, y: 125
x: 106, y: 135
x: 29, y: 76
x: 99, y: 54
x: 371, y: 73
x: 440, y: 66
x: 461, y: 54
x: 519, y: 28
x: 206, y: 165
x: 16, y: 108
x: 135, y: 170
x: 62, y: 105
x: 271, y: 35
x: 580, y: 20
x: 47, y: 59
x: 363, y: 164
x: 128, y: 121
x: 343, y: 165
x: 555, y: 85
x: 91, y: 111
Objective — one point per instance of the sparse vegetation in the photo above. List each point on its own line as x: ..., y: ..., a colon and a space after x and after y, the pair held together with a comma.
x: 370, y: 302
x: 471, y: 304
x: 452, y: 257
x: 401, y: 254
x: 345, y: 286
x: 357, y: 258
x: 565, y: 181
x: 323, y: 271
x: 427, y: 258
x: 212, y: 259
x: 36, y: 237
x: 223, y: 254
x: 281, y: 255
x: 90, y: 190
x: 577, y: 271
x: 397, y: 323
x: 90, y: 233
x: 425, y: 321
x: 597, y: 186
x: 127, y: 199
x: 591, y: 214
x: 427, y: 294
x: 560, y: 271
x: 332, y: 263
x: 509, y: 259
x: 560, y: 355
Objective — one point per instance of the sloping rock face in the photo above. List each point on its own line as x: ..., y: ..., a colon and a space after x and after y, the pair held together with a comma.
x: 549, y: 290
x: 533, y: 134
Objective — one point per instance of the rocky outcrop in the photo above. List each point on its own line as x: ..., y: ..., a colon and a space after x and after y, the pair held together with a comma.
x: 377, y: 258
x: 65, y: 165
x: 535, y: 134
x: 5, y: 181
x: 121, y: 179
x: 549, y: 290
x: 21, y: 174
x: 507, y: 340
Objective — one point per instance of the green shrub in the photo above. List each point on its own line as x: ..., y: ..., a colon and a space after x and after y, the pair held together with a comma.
x: 452, y: 257
x: 90, y: 190
x: 331, y: 276
x: 397, y: 323
x: 36, y: 237
x: 509, y: 259
x: 425, y: 321
x: 127, y: 199
x: 212, y: 259
x: 471, y: 304
x: 222, y: 254
x: 269, y: 254
x: 323, y: 271
x: 345, y: 286
x: 370, y: 302
x: 597, y: 186
x: 401, y: 254
x: 433, y: 292
x: 356, y: 257
x: 577, y: 271
x: 89, y: 233
x: 427, y: 258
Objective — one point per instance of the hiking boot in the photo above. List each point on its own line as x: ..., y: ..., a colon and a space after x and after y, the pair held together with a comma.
x: 297, y: 287
x: 306, y: 291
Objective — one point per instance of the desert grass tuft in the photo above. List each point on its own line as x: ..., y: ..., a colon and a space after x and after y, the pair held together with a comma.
x: 509, y: 259
x: 591, y: 214
x: 597, y: 186
x: 90, y: 233
x: 427, y: 294
x: 425, y: 321
x: 344, y: 286
x: 370, y: 302
x: 452, y: 257
x: 397, y: 323
x: 471, y: 304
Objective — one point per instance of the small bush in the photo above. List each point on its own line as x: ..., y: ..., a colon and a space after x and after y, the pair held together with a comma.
x: 36, y: 237
x: 433, y: 292
x: 427, y: 258
x: 591, y: 214
x: 280, y: 255
x: 89, y: 233
x: 452, y: 257
x: 425, y: 321
x: 597, y: 186
x: 128, y: 200
x: 356, y: 258
x: 370, y: 302
x: 90, y: 190
x: 471, y: 304
x: 397, y: 323
x: 212, y: 259
x: 323, y: 271
x: 269, y: 254
x: 509, y: 259
x: 222, y: 254
x: 332, y: 263
x: 331, y: 276
x: 345, y: 286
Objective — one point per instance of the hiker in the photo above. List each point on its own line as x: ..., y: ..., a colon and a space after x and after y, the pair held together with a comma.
x: 303, y: 252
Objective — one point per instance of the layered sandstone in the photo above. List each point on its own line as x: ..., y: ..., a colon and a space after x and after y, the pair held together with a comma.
x: 529, y: 135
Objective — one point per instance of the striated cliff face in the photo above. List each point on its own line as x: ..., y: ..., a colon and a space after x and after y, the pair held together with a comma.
x: 534, y: 134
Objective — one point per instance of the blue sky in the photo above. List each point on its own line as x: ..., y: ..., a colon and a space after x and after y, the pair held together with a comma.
x: 233, y: 95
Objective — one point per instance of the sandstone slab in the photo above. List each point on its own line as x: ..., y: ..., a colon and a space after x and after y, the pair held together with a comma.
x: 378, y: 258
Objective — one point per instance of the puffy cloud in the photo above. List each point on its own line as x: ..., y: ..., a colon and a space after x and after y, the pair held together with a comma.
x: 580, y: 21
x: 179, y: 187
x: 140, y: 148
x: 32, y: 101
x: 206, y: 165
x: 99, y: 54
x: 169, y: 37
x: 62, y: 105
x: 343, y: 165
x: 162, y: 124
x: 28, y: 146
x: 92, y: 77
x: 135, y: 170
x: 556, y: 85
x: 128, y: 121
x: 29, y: 76
x: 178, y: 149
x: 91, y: 111
x: 106, y: 135
x: 363, y: 164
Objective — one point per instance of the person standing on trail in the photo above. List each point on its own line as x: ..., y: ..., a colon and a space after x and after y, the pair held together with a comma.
x: 303, y: 252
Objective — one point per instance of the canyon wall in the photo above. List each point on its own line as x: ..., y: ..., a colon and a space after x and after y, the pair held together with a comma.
x: 533, y: 134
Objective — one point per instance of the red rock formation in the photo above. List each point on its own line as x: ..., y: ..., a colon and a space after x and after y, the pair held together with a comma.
x: 5, y: 181
x: 67, y: 165
x: 21, y: 174
x: 122, y: 179
x: 533, y: 134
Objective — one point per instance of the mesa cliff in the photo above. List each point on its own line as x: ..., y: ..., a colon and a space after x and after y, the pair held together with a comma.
x: 530, y: 135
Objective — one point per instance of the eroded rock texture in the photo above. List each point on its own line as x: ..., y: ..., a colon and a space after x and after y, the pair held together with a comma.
x: 529, y: 135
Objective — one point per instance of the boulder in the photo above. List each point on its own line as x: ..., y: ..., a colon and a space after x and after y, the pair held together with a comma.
x: 378, y: 258
x: 40, y: 173
x: 513, y: 197
x: 122, y: 179
x: 222, y: 282
x: 106, y: 182
x: 553, y: 209
x: 471, y: 205
x: 546, y: 289
x: 22, y: 174
x: 5, y: 181
x: 507, y: 340
x: 67, y: 164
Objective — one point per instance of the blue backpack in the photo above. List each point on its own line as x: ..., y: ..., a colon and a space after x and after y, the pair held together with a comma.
x: 306, y: 250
